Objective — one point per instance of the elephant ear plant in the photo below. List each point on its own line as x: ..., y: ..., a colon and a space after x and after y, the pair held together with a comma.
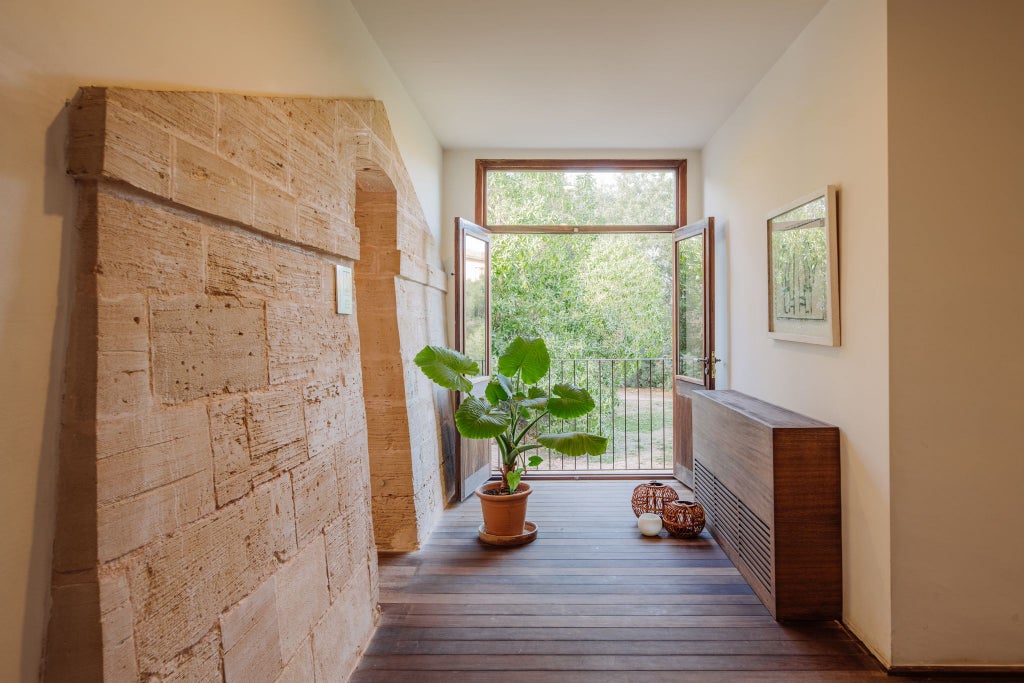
x: 513, y: 404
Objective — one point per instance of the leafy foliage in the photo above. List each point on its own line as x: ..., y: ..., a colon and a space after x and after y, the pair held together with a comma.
x: 446, y: 367
x: 499, y: 389
x: 526, y: 356
x: 574, y: 443
x: 573, y: 198
x: 569, y: 401
x: 587, y: 295
x: 478, y: 419
x: 513, y: 404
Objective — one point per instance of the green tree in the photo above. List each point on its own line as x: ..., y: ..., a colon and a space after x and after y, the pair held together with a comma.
x: 588, y: 295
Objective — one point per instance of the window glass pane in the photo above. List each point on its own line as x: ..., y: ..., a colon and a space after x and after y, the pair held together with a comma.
x: 475, y: 301
x: 587, y: 295
x: 581, y: 197
x: 690, y: 256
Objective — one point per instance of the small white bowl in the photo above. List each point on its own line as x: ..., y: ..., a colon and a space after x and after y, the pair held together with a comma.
x: 649, y: 524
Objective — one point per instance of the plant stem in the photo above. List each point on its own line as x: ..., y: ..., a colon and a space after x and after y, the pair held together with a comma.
x: 515, y: 442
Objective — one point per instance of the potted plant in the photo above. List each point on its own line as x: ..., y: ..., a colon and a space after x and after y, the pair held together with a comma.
x: 512, y: 405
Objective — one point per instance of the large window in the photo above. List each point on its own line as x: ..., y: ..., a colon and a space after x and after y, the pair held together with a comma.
x: 555, y: 195
x: 603, y: 299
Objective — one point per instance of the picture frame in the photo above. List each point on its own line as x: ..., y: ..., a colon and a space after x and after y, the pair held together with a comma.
x: 803, y: 270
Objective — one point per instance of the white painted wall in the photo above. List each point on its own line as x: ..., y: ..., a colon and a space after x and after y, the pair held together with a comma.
x: 818, y: 117
x: 459, y: 189
x: 48, y: 48
x: 956, y: 141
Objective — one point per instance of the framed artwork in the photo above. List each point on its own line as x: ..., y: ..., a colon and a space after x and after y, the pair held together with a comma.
x: 803, y: 270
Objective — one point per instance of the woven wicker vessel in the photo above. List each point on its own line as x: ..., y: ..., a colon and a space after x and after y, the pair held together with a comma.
x: 651, y: 497
x: 683, y: 519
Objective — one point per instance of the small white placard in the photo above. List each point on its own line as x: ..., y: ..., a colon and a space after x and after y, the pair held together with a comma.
x: 343, y: 280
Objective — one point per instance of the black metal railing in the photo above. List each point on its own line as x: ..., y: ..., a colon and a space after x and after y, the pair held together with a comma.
x: 634, y: 410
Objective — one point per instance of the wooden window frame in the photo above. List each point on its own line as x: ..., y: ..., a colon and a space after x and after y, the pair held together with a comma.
x: 485, y: 165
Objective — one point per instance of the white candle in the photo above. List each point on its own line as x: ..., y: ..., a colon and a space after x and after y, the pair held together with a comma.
x: 649, y: 523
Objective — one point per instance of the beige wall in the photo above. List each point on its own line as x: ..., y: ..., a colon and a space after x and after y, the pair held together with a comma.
x: 459, y: 186
x: 817, y: 118
x: 956, y: 140
x: 47, y: 49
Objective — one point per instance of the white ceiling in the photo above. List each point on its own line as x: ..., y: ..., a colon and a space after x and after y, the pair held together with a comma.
x: 629, y: 74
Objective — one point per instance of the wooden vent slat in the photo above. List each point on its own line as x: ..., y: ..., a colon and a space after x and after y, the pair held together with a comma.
x: 747, y: 533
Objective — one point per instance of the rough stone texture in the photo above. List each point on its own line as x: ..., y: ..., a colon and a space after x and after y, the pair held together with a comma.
x: 281, y: 518
x: 74, y: 643
x: 116, y: 616
x: 180, y: 585
x: 277, y: 434
x: 144, y: 248
x: 215, y: 518
x: 324, y: 408
x: 339, y: 638
x: 204, y: 345
x: 250, y: 635
x: 300, y: 668
x: 397, y: 426
x: 255, y: 134
x: 239, y: 265
x: 209, y: 183
x: 122, y: 371
x: 315, y: 488
x: 230, y: 443
x: 154, y: 473
x: 303, y: 596
x: 200, y: 663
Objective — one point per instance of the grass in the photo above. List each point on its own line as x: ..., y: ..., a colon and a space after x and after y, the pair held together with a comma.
x: 638, y: 427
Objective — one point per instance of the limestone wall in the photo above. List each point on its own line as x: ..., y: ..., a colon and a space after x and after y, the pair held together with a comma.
x: 215, y: 499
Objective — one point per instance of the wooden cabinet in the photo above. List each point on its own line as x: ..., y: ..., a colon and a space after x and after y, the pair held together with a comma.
x: 768, y: 479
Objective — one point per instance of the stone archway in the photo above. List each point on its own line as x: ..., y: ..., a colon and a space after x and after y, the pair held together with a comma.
x: 387, y: 419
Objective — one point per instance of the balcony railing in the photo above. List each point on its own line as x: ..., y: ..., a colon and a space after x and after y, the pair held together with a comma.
x: 634, y: 410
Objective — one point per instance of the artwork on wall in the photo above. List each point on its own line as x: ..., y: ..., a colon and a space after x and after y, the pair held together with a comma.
x: 803, y: 270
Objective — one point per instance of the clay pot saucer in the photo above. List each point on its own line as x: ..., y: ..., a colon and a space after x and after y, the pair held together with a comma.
x: 529, y: 533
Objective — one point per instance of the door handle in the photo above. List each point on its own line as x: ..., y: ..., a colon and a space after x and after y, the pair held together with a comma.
x: 714, y: 361
x: 709, y: 364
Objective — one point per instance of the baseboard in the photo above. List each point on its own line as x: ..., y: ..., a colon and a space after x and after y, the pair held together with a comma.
x: 955, y: 671
x: 882, y: 663
x: 860, y: 643
x: 962, y: 671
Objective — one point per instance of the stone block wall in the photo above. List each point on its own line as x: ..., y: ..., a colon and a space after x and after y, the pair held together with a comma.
x: 215, y: 518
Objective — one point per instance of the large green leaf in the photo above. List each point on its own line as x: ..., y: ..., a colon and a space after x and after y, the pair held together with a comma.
x: 447, y: 367
x: 575, y: 443
x: 498, y: 389
x: 537, y: 399
x: 529, y: 355
x: 477, y: 419
x: 569, y: 401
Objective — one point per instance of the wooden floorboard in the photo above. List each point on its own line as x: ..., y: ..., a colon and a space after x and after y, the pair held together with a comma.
x: 589, y: 601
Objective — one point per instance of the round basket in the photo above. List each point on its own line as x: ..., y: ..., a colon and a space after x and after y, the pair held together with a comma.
x: 683, y: 519
x: 651, y: 497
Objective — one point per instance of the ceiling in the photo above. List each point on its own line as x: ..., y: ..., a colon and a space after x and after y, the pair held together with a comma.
x: 607, y: 74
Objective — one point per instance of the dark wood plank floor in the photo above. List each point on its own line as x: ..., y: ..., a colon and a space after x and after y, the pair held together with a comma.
x: 589, y: 600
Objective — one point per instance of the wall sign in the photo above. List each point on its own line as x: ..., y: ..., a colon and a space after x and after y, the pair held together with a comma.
x: 343, y: 287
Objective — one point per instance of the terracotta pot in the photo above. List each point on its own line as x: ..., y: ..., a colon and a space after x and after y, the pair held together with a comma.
x: 503, y: 515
